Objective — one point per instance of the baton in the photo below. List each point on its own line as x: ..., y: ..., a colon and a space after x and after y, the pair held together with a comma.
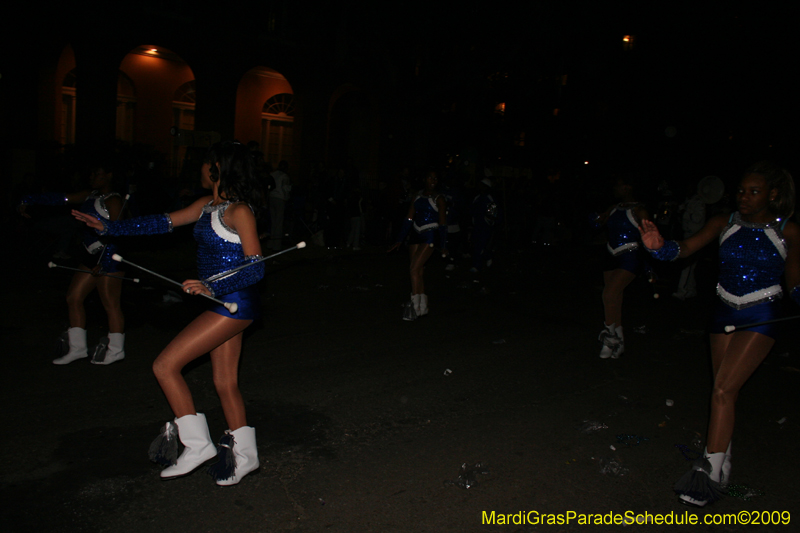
x: 227, y: 273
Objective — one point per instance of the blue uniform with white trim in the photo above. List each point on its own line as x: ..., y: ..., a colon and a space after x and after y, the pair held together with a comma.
x: 95, y: 205
x: 752, y: 259
x: 219, y: 249
x: 426, y: 220
x: 623, y: 239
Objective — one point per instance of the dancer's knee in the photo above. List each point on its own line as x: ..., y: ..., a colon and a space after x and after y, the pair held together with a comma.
x: 723, y: 396
x: 226, y: 387
x: 163, y: 369
x: 74, y: 300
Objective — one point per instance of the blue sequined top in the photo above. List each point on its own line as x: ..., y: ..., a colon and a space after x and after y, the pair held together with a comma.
x: 219, y: 247
x: 751, y: 262
x: 623, y: 230
x: 426, y: 213
x: 95, y: 205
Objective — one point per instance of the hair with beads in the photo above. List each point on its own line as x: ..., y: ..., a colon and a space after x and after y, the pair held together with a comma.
x: 236, y: 175
x: 778, y: 178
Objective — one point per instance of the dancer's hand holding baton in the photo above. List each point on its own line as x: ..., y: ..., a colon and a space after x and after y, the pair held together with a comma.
x: 190, y: 286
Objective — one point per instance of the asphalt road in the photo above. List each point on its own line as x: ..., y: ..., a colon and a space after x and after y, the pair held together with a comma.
x: 364, y: 421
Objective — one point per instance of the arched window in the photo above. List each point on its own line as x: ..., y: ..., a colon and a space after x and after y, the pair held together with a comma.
x: 68, y: 108
x: 126, y: 107
x: 183, y: 106
x: 183, y: 103
x: 277, y: 117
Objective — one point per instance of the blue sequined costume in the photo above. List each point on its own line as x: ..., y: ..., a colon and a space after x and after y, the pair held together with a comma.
x: 95, y: 205
x: 623, y: 239
x: 751, y: 260
x: 219, y: 250
x: 426, y: 220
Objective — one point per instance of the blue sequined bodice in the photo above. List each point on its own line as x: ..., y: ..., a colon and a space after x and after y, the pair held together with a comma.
x: 426, y: 213
x: 751, y: 262
x: 218, y: 246
x: 95, y: 205
x: 623, y: 230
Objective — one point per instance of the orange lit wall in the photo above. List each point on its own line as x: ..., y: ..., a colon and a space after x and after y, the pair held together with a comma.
x: 156, y: 81
x: 253, y: 91
x: 50, y: 97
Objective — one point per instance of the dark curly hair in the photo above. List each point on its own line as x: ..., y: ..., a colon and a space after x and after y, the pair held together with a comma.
x: 236, y: 174
x: 778, y: 178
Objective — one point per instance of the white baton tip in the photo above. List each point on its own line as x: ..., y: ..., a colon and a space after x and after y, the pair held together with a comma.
x: 301, y: 244
x: 232, y: 307
x: 728, y: 329
x: 51, y: 264
x: 136, y: 280
x: 117, y: 258
x: 655, y: 296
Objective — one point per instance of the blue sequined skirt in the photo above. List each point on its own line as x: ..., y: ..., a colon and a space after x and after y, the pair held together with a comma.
x: 725, y: 315
x: 630, y: 261
x: 248, y: 301
x: 107, y: 264
x: 429, y: 236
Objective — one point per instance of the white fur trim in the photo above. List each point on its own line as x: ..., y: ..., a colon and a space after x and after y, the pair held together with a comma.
x: 221, y: 229
x: 779, y: 243
x: 751, y: 299
x: 631, y: 218
x: 426, y: 226
x: 100, y: 207
x: 627, y: 247
x: 728, y: 232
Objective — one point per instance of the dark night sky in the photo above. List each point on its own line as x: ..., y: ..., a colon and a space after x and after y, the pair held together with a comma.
x: 722, y: 77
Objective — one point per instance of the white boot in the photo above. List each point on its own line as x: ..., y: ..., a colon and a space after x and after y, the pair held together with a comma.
x: 423, y: 304
x: 114, y: 352
x: 621, y: 345
x: 245, y: 456
x: 409, y: 313
x: 726, y: 467
x: 703, y: 484
x: 77, y: 347
x: 198, y: 446
x: 610, y: 341
x: 415, y: 299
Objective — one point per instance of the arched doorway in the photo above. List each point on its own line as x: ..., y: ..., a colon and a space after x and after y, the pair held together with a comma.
x: 265, y: 114
x: 164, y: 101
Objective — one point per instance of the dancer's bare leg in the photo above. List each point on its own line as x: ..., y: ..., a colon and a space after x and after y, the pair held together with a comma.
x: 615, y: 282
x: 419, y: 256
x: 110, y: 289
x: 79, y: 288
x: 205, y: 333
x: 734, y: 357
x: 225, y: 367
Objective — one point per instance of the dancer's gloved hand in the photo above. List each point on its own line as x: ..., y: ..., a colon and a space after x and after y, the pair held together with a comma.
x: 195, y: 286
x: 651, y: 237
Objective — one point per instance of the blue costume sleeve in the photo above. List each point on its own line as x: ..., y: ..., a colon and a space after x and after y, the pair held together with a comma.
x: 238, y: 280
x: 669, y: 252
x: 147, y: 225
x: 795, y: 294
x: 48, y: 198
x: 404, y: 229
